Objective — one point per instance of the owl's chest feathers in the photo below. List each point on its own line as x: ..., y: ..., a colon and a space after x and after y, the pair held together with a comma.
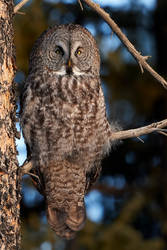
x: 72, y: 99
x: 71, y: 113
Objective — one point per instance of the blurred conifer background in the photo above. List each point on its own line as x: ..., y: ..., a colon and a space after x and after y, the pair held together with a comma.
x: 127, y: 208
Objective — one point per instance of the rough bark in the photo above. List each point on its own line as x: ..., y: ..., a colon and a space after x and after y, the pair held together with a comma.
x: 9, y: 180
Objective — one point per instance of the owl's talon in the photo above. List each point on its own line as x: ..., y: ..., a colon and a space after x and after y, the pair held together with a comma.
x: 34, y: 175
x: 26, y: 167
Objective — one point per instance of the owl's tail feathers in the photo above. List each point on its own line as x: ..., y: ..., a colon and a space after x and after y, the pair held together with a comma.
x: 66, y: 224
x: 76, y: 217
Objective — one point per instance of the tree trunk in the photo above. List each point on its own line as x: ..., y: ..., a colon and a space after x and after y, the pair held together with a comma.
x: 9, y: 178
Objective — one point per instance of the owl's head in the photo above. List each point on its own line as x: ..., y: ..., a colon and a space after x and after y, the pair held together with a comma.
x: 67, y: 49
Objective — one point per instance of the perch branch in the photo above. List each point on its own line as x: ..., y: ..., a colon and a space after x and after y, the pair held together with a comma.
x: 153, y: 127
x: 120, y: 135
x: 137, y: 55
x: 20, y: 5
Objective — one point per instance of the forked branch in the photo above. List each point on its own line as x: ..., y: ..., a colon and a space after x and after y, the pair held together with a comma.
x: 137, y: 55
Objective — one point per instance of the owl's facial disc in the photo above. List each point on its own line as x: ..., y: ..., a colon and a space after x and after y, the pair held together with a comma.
x: 62, y: 44
x: 72, y: 58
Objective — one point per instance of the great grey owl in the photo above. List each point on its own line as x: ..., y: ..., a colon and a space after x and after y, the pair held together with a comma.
x: 63, y: 118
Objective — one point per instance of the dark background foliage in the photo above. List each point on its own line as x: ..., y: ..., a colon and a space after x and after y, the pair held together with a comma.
x: 127, y: 207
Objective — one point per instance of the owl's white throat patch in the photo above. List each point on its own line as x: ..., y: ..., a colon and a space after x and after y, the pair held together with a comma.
x: 75, y: 71
x: 62, y: 71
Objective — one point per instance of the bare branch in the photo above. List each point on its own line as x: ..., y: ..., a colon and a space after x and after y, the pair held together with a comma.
x: 139, y: 58
x: 154, y: 127
x: 20, y: 5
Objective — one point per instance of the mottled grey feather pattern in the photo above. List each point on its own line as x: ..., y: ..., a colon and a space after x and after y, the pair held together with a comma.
x: 64, y: 122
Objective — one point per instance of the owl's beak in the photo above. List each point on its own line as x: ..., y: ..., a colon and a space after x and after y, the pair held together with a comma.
x: 69, y: 63
x: 69, y: 67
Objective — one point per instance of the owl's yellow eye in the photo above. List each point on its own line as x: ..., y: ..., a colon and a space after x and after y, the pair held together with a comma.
x: 59, y: 50
x: 79, y: 51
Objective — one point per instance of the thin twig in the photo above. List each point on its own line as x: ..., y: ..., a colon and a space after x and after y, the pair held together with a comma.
x: 112, y: 33
x: 140, y: 59
x: 79, y: 1
x: 20, y: 13
x: 141, y: 68
x: 20, y: 5
x: 140, y: 139
x: 153, y: 127
x: 162, y: 133
x: 26, y: 167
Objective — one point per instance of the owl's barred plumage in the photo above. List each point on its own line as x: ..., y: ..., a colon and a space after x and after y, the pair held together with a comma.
x: 64, y: 122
